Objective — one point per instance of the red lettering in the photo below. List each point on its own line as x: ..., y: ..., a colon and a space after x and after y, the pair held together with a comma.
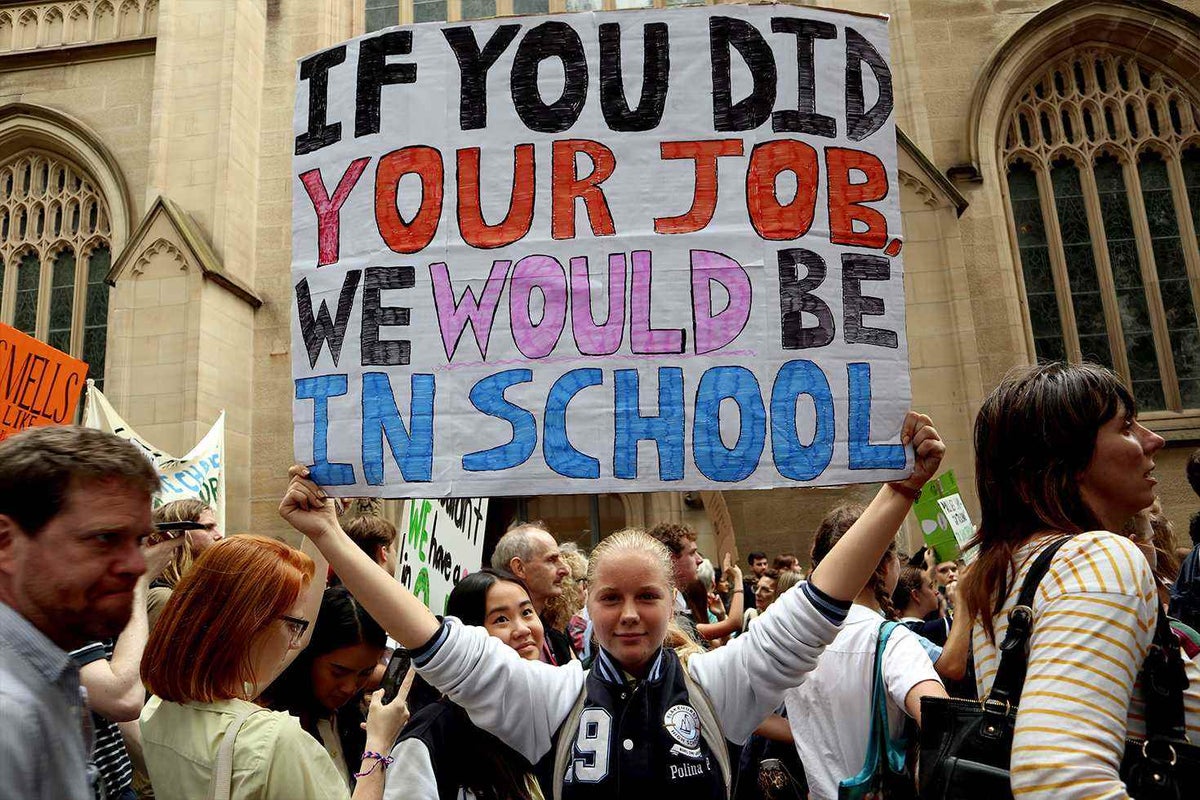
x: 769, y: 217
x: 426, y: 163
x: 567, y: 187
x: 846, y: 197
x: 704, y: 200
x: 328, y: 209
x: 515, y: 225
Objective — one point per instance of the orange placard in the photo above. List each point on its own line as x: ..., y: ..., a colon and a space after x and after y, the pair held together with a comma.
x: 39, y: 385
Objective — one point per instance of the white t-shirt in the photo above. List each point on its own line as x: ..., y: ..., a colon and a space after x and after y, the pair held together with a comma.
x: 830, y: 712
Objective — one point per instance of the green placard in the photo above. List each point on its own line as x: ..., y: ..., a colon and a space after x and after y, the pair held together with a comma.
x: 935, y: 525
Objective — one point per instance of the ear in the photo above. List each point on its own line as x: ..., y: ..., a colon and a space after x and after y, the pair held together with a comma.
x: 516, y: 567
x: 11, y: 537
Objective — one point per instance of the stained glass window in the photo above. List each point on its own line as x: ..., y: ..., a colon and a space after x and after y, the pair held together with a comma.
x: 62, y: 300
x: 29, y: 270
x: 382, y: 14
x: 1114, y: 141
x: 1127, y: 282
x: 1173, y: 280
x: 95, y: 321
x: 1035, y: 263
x: 1191, y: 181
x: 1080, y: 262
x: 50, y: 211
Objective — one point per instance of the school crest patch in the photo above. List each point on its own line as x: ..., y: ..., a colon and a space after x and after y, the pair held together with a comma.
x: 683, y: 723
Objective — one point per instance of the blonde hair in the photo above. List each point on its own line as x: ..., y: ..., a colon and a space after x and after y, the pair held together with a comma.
x: 632, y: 540
x: 787, y: 580
x: 188, y: 510
x: 559, y: 609
x: 636, y: 540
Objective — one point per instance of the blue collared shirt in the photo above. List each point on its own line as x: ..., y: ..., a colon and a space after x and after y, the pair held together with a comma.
x: 43, y: 741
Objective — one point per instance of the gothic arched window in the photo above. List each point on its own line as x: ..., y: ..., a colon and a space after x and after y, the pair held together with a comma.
x: 1102, y: 157
x: 55, y: 248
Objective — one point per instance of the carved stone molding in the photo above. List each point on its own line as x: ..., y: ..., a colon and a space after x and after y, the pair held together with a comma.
x: 155, y: 249
x: 50, y: 26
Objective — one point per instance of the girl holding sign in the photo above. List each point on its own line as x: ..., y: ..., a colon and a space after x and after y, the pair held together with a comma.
x: 641, y: 717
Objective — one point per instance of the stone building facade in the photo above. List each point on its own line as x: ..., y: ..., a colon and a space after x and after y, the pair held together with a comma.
x: 1050, y: 172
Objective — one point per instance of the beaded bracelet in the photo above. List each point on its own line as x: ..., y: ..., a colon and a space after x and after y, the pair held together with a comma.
x: 379, y: 758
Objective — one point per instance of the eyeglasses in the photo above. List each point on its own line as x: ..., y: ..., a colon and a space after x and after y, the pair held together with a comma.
x: 296, y: 627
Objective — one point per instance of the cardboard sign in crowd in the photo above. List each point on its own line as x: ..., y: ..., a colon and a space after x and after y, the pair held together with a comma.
x: 599, y: 252
x: 39, y: 385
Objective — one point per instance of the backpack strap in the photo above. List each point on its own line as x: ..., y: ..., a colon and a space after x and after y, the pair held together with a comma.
x: 566, y: 741
x: 710, y: 726
x: 222, y: 780
x: 1014, y: 650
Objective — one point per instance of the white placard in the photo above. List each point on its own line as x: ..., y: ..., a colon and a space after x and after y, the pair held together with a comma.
x: 441, y: 542
x: 599, y: 252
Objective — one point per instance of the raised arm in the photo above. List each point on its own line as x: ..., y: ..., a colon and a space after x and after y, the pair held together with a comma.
x: 746, y: 679
x: 845, y: 570
x: 733, y: 621
x: 114, y: 687
x: 307, y: 509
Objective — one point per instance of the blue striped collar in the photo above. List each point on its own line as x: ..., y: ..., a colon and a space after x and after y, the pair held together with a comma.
x: 609, y: 671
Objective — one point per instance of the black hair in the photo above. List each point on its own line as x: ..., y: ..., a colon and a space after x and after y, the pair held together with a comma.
x: 468, y: 599
x: 755, y: 555
x: 342, y: 622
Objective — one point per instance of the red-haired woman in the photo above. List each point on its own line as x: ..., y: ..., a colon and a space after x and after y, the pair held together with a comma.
x: 232, y: 625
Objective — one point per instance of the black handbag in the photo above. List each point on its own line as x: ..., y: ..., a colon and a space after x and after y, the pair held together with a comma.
x: 966, y: 745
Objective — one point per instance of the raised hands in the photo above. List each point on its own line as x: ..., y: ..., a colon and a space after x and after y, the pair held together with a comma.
x: 306, y: 507
x: 928, y: 449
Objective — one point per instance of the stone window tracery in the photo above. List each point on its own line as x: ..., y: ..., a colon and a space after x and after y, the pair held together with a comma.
x: 1101, y: 151
x: 55, y: 252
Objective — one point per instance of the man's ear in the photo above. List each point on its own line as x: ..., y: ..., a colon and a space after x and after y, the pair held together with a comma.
x: 11, y: 536
x: 516, y: 567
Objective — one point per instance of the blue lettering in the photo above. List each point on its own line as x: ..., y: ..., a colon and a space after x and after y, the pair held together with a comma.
x: 665, y: 428
x: 319, y: 390
x: 801, y: 462
x: 863, y: 454
x: 487, y: 395
x: 561, y: 456
x: 412, y: 447
x: 713, y: 458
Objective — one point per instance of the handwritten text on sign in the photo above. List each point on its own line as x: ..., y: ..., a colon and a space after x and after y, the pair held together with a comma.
x: 599, y: 252
x: 441, y: 542
x: 39, y: 385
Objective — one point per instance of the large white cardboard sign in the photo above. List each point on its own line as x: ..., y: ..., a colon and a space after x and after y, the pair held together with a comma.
x: 599, y: 252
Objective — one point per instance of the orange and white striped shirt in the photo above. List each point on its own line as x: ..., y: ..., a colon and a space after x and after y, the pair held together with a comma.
x: 1094, y: 616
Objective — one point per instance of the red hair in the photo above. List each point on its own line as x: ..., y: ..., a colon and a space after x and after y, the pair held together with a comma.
x: 199, y: 651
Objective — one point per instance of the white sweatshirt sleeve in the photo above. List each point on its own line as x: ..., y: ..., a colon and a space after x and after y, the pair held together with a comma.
x: 411, y: 775
x: 520, y: 702
x: 746, y: 679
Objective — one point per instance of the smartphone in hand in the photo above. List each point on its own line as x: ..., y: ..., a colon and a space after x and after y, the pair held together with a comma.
x: 394, y: 676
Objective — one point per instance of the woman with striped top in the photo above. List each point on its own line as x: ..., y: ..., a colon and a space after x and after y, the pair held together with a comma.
x: 1059, y: 451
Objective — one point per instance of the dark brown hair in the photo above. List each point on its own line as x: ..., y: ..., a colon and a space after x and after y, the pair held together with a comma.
x: 1034, y: 434
x: 38, y: 468
x: 673, y: 536
x: 832, y: 528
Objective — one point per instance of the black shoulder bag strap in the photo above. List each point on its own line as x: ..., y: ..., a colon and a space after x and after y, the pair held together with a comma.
x: 1014, y: 650
x: 1163, y: 683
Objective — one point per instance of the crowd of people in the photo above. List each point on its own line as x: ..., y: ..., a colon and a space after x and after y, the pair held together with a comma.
x: 144, y: 654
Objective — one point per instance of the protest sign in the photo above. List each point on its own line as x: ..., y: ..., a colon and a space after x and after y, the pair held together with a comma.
x: 198, y: 475
x: 39, y: 385
x: 441, y: 542
x: 599, y: 252
x: 945, y: 523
